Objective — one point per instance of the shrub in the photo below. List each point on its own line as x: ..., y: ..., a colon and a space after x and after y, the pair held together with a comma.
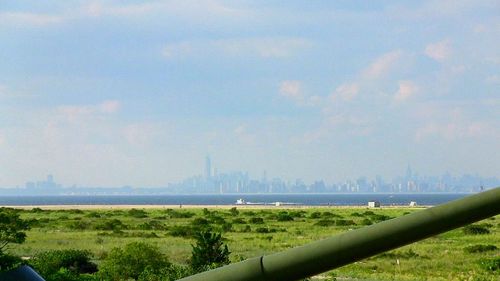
x: 170, y: 273
x: 179, y: 214
x: 114, y: 224
x: 480, y: 248
x: 234, y: 211
x: 297, y: 214
x: 239, y: 221
x: 8, y: 262
x: 475, y: 230
x: 79, y: 225
x: 137, y: 213
x: 366, y: 221
x: 492, y: 264
x: 200, y: 222
x: 131, y: 261
x: 344, y: 222
x: 262, y: 230
x: 50, y: 262
x: 284, y: 216
x: 315, y: 215
x: 247, y: 228
x: 325, y: 223
x: 256, y: 220
x: 152, y: 225
x: 93, y: 215
x: 249, y: 213
x: 209, y: 251
x: 12, y: 228
x: 181, y: 231
x: 330, y: 215
x: 217, y: 220
x: 226, y: 227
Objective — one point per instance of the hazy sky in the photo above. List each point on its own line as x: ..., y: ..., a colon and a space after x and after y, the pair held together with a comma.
x: 138, y: 92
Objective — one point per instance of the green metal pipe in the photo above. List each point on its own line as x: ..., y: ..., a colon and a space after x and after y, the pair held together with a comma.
x: 354, y: 245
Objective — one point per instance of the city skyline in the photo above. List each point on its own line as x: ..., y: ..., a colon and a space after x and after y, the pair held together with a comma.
x: 114, y: 93
x: 212, y: 181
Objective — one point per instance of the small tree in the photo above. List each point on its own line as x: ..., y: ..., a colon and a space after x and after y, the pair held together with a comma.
x: 11, y: 228
x: 209, y: 251
x: 51, y: 264
x: 131, y: 261
x: 11, y: 231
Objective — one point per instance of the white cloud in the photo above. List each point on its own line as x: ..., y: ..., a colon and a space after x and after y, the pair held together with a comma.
x: 109, y: 106
x: 243, y: 136
x: 439, y: 51
x: 346, y: 92
x: 383, y: 64
x: 455, y: 130
x: 3, y: 139
x: 493, y: 79
x: 32, y: 19
x: 265, y: 47
x: 72, y: 113
x: 176, y: 50
x: 291, y: 89
x: 407, y: 89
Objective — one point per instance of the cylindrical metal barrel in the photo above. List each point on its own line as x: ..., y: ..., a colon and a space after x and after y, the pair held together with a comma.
x: 354, y: 245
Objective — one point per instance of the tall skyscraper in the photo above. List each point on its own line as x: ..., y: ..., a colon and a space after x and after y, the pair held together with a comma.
x: 208, y: 168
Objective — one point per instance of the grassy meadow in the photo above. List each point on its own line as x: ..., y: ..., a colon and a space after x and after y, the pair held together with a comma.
x: 463, y: 254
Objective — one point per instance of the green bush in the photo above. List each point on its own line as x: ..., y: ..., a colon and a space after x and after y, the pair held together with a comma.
x: 344, y: 222
x: 475, y: 230
x: 179, y: 214
x: 480, y: 248
x: 209, y: 251
x: 315, y: 215
x: 366, y: 221
x: 256, y: 220
x: 284, y: 216
x: 181, y: 231
x: 239, y: 221
x: 330, y: 215
x: 137, y: 213
x: 170, y: 273
x: 325, y: 223
x: 152, y: 225
x: 131, y: 261
x: 492, y: 264
x: 114, y: 224
x: 8, y: 262
x: 234, y: 211
x: 262, y: 230
x: 197, y: 222
x: 50, y: 262
x: 217, y: 220
x: 79, y: 225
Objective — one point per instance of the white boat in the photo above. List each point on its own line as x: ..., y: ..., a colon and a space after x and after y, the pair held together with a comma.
x: 240, y: 202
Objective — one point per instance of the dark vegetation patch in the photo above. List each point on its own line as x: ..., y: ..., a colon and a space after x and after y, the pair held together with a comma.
x: 256, y: 220
x: 408, y: 254
x: 480, y: 248
x: 491, y: 264
x: 475, y: 229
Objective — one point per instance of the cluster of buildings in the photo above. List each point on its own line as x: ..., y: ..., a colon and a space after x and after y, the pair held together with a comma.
x: 214, y: 182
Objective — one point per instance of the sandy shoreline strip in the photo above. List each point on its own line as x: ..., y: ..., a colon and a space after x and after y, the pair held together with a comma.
x: 120, y: 207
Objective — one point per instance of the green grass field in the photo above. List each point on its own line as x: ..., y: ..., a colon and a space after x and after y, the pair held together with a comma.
x: 253, y: 232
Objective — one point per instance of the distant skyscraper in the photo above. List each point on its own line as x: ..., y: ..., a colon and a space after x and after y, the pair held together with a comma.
x: 50, y: 178
x: 409, y: 174
x: 208, y: 168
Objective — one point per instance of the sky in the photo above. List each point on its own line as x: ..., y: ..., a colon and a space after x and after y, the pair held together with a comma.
x: 112, y: 93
